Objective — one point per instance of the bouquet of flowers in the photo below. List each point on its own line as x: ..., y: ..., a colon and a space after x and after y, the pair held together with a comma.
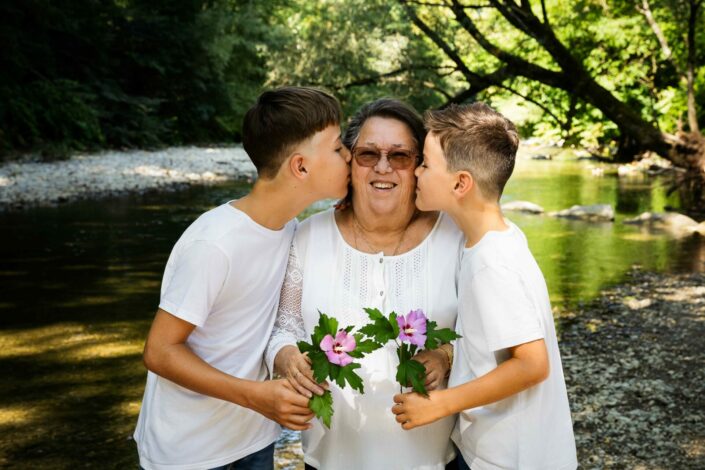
x: 332, y: 351
x: 411, y: 333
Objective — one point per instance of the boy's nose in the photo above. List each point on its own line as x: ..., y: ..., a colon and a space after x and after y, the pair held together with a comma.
x: 346, y: 154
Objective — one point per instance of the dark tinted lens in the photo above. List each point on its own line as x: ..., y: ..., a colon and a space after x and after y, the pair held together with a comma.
x: 400, y: 160
x: 366, y: 157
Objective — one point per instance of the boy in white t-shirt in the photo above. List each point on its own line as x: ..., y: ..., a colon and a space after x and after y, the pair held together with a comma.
x: 207, y: 403
x: 507, y: 380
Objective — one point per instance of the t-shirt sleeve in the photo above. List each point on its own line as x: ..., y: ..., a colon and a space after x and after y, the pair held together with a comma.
x: 507, y: 315
x: 196, y: 278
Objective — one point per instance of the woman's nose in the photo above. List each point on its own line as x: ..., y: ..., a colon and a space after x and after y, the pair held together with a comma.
x: 383, y: 165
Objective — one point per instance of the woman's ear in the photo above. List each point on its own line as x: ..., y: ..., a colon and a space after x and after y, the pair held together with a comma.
x: 296, y: 165
x: 464, y: 182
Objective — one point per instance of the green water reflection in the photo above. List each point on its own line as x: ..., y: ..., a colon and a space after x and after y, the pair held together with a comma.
x: 65, y: 263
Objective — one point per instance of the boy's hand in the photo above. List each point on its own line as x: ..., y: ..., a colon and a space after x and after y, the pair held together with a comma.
x: 436, y: 363
x: 278, y: 401
x: 413, y: 410
x: 296, y: 366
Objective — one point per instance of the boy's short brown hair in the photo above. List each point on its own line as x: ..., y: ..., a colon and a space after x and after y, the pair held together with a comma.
x: 477, y: 139
x: 282, y: 118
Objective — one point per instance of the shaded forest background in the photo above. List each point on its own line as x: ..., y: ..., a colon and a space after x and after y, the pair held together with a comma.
x: 90, y: 74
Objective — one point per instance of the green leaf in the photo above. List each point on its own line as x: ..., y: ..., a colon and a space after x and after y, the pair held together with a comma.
x: 373, y: 313
x: 354, y: 380
x: 320, y: 365
x: 322, y: 407
x: 332, y: 324
x: 435, y: 337
x: 414, y: 373
x: 326, y: 326
x: 304, y: 346
x: 395, y: 324
x: 334, y: 373
x: 380, y: 330
x: 365, y: 346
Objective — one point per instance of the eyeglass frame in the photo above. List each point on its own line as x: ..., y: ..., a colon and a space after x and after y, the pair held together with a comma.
x: 413, y: 157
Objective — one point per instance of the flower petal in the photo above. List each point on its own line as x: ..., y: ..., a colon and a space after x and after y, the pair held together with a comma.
x: 332, y: 356
x: 347, y: 342
x: 344, y: 359
x: 327, y: 343
x: 418, y: 339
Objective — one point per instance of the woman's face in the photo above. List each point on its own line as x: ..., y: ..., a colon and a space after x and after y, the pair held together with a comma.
x: 381, y: 188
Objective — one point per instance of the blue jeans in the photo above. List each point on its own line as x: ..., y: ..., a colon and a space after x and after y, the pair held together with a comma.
x: 462, y: 465
x: 260, y: 460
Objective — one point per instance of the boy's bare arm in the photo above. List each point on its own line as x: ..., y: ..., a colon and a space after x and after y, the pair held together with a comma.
x: 527, y: 366
x: 166, y: 354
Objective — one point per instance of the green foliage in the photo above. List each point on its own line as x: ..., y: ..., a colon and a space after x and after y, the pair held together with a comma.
x: 382, y: 329
x: 323, y: 369
x: 125, y: 73
x: 409, y: 371
x: 322, y: 406
x: 435, y: 336
x: 412, y: 372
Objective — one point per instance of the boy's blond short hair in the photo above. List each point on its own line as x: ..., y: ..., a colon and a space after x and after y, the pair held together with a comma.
x: 477, y: 139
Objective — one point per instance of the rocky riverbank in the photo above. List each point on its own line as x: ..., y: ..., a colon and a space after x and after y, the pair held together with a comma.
x: 634, y: 361
x: 25, y: 184
x: 634, y: 365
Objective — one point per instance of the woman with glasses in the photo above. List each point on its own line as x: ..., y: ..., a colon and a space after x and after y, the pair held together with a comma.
x: 376, y: 251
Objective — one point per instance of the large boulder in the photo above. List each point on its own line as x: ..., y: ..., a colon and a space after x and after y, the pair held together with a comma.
x: 663, y: 220
x: 699, y: 229
x: 673, y: 222
x: 523, y: 206
x: 593, y: 213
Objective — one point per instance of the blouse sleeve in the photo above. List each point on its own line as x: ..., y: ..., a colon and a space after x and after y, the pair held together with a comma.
x: 289, y: 324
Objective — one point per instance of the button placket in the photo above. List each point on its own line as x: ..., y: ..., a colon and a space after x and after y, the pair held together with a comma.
x: 379, y: 277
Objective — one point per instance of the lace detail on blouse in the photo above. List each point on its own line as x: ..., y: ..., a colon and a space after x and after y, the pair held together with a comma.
x: 289, y: 324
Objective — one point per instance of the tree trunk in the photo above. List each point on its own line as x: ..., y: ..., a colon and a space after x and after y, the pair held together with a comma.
x: 690, y: 68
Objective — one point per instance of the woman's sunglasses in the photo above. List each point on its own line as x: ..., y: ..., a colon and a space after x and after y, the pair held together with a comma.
x: 399, y: 159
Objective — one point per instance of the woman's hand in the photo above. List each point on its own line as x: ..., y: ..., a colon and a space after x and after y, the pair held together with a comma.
x: 296, y: 367
x: 437, y: 366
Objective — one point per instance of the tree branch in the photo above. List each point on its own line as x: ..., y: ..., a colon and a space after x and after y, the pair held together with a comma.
x: 519, y: 66
x: 543, y: 11
x: 543, y: 107
x: 431, y: 34
x: 376, y: 78
x: 645, y: 10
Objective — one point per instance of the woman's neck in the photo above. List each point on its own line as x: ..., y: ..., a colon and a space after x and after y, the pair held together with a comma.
x: 388, y: 224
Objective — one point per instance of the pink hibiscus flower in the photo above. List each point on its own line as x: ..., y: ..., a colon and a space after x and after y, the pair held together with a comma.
x: 412, y: 329
x: 337, y: 348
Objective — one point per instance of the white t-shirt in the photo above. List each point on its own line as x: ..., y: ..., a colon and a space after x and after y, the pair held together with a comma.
x: 503, y: 302
x: 224, y: 276
x: 327, y: 274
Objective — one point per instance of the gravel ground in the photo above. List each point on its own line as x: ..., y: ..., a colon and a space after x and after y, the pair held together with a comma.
x: 24, y: 184
x: 634, y: 365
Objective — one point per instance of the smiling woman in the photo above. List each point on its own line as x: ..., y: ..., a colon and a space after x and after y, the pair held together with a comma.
x: 377, y: 252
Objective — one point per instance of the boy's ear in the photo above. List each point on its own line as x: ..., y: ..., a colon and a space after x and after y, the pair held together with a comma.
x: 297, y: 166
x: 464, y: 182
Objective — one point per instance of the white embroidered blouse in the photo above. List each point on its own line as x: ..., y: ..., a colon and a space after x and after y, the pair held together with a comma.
x: 325, y: 273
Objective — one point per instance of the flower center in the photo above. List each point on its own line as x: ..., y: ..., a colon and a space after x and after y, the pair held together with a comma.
x: 338, y: 348
x: 409, y: 330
